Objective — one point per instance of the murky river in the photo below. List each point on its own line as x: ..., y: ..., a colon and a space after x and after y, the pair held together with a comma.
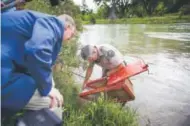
x: 163, y: 96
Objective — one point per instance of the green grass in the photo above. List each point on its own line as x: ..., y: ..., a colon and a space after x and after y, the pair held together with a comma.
x: 167, y: 19
x: 101, y: 113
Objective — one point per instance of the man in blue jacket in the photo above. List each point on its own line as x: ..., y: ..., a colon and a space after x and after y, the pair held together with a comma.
x: 30, y: 44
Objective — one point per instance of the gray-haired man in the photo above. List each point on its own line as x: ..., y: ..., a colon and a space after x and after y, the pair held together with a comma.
x: 105, y: 55
x: 30, y: 44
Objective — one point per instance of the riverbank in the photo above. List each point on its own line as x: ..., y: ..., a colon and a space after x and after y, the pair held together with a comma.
x: 77, y: 112
x: 167, y: 19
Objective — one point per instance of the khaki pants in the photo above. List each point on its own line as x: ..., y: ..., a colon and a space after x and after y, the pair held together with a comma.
x: 38, y: 102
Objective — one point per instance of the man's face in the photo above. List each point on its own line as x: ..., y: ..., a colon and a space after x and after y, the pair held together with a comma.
x: 94, y: 55
x: 68, y: 33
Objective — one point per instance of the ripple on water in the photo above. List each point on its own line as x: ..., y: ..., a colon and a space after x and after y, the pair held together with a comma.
x: 169, y: 35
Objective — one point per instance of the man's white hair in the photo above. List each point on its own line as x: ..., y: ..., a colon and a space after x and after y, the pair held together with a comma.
x: 68, y: 20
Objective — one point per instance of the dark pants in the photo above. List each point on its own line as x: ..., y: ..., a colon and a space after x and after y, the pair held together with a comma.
x: 14, y: 96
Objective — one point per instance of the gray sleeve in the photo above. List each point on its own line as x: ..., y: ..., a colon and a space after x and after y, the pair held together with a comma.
x: 107, y: 53
x: 113, y: 56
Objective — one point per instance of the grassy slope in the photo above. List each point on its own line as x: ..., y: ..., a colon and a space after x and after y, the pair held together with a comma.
x: 101, y: 113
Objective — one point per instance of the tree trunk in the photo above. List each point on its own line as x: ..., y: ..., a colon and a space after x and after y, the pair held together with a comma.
x: 112, y: 14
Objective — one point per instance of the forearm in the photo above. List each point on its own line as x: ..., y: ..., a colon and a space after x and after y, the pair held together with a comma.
x: 88, y: 74
x: 43, y: 78
x: 39, y: 52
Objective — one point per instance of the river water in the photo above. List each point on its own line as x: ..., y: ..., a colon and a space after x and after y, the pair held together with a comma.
x: 163, y: 96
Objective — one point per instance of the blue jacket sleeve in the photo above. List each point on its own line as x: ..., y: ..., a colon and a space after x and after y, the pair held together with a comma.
x: 38, y: 52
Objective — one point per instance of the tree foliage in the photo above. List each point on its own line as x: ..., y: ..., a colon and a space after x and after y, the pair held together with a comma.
x: 140, y: 8
x: 65, y: 7
x: 160, y: 9
x: 103, y: 11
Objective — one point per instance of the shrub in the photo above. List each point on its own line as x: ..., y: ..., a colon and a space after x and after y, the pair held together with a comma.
x: 160, y: 9
x: 102, y: 113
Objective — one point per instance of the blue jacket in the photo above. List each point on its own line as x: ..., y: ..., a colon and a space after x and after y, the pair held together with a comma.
x: 30, y: 43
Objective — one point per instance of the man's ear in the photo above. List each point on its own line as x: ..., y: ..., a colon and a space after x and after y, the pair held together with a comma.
x: 68, y: 26
x: 65, y: 28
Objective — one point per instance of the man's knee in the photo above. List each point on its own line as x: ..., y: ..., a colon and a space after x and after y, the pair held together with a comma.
x: 37, y: 102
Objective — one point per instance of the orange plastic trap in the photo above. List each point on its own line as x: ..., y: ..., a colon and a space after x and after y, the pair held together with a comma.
x: 116, y: 86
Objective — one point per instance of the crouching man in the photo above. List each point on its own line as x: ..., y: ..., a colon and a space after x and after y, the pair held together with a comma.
x: 30, y: 45
x: 105, y: 55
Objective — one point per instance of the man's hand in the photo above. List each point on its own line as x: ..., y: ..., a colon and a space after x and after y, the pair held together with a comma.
x: 56, y: 98
x: 88, y: 74
x: 84, y: 84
